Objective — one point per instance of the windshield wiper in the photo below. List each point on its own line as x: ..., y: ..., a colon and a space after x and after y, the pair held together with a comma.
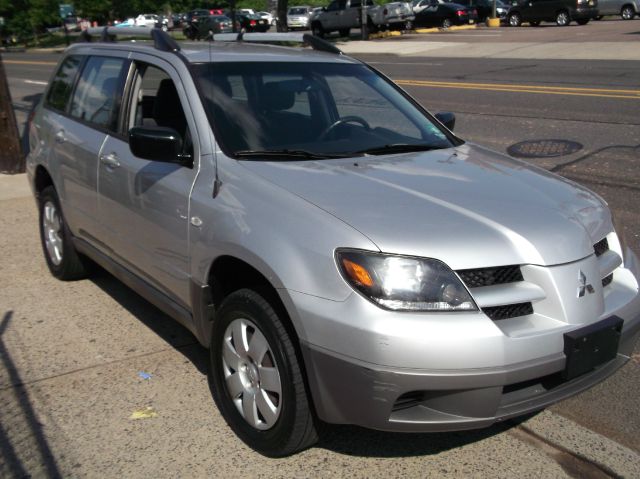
x: 398, y: 148
x: 286, y: 155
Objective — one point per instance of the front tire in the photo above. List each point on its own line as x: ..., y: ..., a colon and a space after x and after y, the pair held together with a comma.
x: 563, y: 19
x: 64, y: 262
x: 256, y: 377
x: 515, y: 20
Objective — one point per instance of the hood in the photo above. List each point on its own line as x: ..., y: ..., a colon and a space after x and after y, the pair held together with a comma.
x: 466, y: 206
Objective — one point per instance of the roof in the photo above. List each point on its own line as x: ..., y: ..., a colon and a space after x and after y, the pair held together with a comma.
x: 250, y: 47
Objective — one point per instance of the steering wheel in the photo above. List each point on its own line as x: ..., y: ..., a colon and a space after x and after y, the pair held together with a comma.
x: 342, y: 120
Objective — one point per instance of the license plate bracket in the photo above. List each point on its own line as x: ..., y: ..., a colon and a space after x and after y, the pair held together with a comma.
x: 591, y: 346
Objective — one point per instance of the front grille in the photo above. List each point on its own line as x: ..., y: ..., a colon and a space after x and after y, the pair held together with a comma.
x: 606, y: 281
x: 475, y: 278
x: 508, y: 311
x: 601, y: 247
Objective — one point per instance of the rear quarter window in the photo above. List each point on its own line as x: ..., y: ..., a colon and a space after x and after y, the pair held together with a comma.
x: 62, y: 84
x: 96, y: 98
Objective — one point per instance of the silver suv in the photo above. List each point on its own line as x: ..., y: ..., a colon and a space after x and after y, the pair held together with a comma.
x: 627, y: 9
x: 343, y: 255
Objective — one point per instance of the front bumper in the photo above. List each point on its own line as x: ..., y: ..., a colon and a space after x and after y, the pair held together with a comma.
x: 345, y: 392
x: 584, y: 13
x: 412, y: 372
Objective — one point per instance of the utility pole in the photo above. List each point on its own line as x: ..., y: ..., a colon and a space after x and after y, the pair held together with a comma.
x: 364, y: 27
x: 11, y: 158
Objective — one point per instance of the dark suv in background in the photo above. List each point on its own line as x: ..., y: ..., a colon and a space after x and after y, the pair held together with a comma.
x: 563, y: 12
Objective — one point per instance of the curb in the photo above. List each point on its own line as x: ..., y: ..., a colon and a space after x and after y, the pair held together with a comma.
x: 388, y: 34
x: 450, y: 29
x: 396, y: 33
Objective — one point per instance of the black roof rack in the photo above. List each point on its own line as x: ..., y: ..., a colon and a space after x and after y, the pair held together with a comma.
x: 161, y: 39
x: 314, y: 42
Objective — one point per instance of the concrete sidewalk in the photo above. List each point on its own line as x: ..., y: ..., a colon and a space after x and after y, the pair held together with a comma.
x: 425, y: 47
x: 14, y: 186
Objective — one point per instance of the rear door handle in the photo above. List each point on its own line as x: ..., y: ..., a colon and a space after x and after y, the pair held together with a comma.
x: 110, y: 160
x: 60, y: 138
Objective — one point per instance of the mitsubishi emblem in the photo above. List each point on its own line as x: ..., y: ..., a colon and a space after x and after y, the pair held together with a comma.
x: 583, y: 286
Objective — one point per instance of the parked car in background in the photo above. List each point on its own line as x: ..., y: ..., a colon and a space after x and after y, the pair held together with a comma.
x: 247, y: 22
x: 627, y: 9
x: 563, y: 12
x: 267, y: 16
x: 298, y: 17
x: 208, y: 26
x: 343, y: 15
x: 197, y: 14
x: 129, y: 22
x: 147, y: 20
x: 485, y: 8
x: 440, y: 13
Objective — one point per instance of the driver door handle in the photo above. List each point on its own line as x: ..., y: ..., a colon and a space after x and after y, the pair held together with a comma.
x: 60, y: 138
x: 110, y: 160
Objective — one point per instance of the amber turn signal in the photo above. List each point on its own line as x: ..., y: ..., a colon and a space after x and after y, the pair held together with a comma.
x: 357, y: 273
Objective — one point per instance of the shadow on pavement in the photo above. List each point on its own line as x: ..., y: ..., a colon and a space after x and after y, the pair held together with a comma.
x: 348, y: 440
x: 357, y: 441
x: 164, y: 326
x: 23, y: 446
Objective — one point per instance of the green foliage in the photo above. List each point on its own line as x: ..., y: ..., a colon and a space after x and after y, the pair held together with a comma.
x: 256, y: 5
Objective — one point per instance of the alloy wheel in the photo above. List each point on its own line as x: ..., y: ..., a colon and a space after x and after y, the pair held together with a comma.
x: 251, y: 374
x: 52, y: 229
x: 627, y: 13
x: 562, y: 19
x: 514, y: 20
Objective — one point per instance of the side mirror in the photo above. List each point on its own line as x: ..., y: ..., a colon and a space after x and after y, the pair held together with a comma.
x: 447, y: 118
x: 156, y: 143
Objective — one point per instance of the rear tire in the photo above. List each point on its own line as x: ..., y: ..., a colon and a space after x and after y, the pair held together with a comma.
x: 446, y: 23
x: 515, y: 20
x: 627, y: 12
x: 256, y: 377
x: 563, y: 19
x: 64, y: 262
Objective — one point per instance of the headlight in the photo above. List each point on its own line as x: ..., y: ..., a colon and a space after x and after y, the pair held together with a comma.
x: 403, y: 283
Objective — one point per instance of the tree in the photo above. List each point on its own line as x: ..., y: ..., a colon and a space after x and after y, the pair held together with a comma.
x: 282, y: 15
x: 11, y: 159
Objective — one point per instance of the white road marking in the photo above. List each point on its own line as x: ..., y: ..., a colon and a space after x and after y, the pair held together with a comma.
x: 34, y: 82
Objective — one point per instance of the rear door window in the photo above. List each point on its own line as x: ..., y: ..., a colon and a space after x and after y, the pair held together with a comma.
x: 97, y: 97
x: 62, y: 84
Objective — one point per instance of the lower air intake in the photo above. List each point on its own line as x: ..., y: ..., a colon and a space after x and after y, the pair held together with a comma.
x: 508, y: 311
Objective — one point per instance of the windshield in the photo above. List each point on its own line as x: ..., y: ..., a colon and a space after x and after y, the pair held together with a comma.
x: 298, y: 11
x: 319, y: 109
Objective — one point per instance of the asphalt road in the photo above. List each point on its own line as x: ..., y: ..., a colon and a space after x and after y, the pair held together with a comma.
x: 72, y: 364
